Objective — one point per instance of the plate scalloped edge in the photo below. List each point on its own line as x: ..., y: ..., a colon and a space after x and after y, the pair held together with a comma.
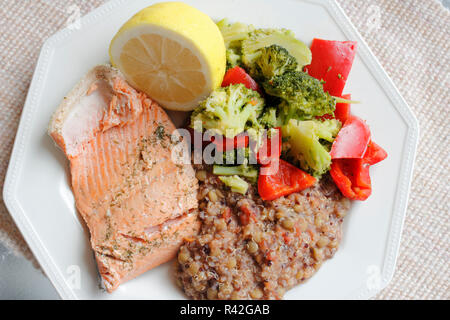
x: 410, y: 146
x: 29, y: 109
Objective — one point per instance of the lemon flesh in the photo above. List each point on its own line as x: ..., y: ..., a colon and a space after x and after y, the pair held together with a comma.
x: 172, y: 52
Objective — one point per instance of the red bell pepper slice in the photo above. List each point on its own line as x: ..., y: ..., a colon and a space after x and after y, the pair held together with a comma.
x: 352, y: 140
x: 238, y: 75
x: 352, y: 175
x: 286, y: 180
x: 332, y: 62
x: 352, y: 178
x: 374, y: 154
x: 342, y: 111
x: 265, y: 155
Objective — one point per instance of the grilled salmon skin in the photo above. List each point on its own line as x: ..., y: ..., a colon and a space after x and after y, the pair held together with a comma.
x: 137, y: 202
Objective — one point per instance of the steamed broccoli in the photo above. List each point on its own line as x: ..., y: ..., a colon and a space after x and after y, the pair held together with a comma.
x: 233, y: 58
x: 236, y: 183
x: 229, y: 111
x: 262, y: 38
x: 303, y: 96
x: 273, y: 61
x: 235, y: 156
x: 233, y: 33
x: 269, y: 118
x: 244, y: 44
x: 306, y: 143
x: 243, y: 170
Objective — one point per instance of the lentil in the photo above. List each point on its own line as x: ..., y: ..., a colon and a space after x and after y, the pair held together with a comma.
x: 256, y: 293
x: 201, y: 175
x: 288, y: 224
x: 252, y: 246
x: 212, y: 195
x: 281, y: 247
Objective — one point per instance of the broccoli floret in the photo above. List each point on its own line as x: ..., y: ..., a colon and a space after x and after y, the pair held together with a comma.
x: 262, y: 38
x: 236, y: 183
x: 328, y: 129
x: 273, y: 61
x: 229, y: 111
x: 304, y: 144
x: 302, y: 96
x: 270, y: 119
x: 229, y: 157
x: 234, y: 33
x: 233, y: 58
x: 235, y: 156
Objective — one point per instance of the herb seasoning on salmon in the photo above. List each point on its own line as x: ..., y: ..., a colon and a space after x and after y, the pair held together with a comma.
x: 137, y: 203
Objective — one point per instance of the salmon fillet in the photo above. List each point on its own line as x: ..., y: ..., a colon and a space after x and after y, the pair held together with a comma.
x: 137, y: 203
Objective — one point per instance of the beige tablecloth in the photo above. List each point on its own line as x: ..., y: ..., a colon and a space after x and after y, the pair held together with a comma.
x: 409, y: 37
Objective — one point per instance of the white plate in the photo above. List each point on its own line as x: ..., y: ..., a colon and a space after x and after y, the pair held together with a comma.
x: 39, y: 198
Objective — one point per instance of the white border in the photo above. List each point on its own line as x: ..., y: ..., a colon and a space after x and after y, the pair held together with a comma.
x: 29, y: 110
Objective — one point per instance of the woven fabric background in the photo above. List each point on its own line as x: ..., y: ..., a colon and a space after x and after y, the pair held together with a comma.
x: 410, y: 38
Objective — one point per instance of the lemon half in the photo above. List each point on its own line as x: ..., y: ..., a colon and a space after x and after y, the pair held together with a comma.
x: 172, y: 52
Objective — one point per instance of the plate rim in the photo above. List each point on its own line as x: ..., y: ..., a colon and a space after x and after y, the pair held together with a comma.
x: 333, y: 8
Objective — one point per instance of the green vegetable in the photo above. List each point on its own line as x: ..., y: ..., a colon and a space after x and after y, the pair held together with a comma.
x: 229, y: 111
x: 235, y: 156
x: 262, y: 38
x: 342, y: 100
x: 269, y: 118
x: 234, y: 33
x: 302, y: 96
x: 273, y: 61
x: 236, y: 183
x: 244, y: 170
x: 233, y: 58
x: 304, y: 143
x: 244, y: 43
x: 327, y: 129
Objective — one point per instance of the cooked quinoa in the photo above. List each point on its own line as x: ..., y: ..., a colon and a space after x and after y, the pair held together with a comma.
x: 253, y: 249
